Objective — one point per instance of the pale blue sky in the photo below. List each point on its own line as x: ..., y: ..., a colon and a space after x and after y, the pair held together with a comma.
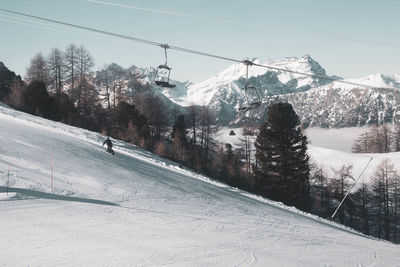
x: 350, y: 38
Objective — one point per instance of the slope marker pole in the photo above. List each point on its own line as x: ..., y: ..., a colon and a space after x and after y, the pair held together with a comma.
x: 51, y: 182
x: 8, y: 178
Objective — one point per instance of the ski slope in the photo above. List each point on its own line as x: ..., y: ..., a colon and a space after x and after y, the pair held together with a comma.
x: 136, y: 209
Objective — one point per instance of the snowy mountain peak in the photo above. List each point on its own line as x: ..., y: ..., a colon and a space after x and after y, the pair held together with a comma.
x: 229, y: 82
x: 304, y: 64
x: 378, y: 80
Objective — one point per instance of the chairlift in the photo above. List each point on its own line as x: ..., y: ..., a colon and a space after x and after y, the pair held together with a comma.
x: 252, y: 97
x: 163, y: 72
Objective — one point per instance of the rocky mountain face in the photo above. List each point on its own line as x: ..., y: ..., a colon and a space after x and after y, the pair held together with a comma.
x: 338, y: 107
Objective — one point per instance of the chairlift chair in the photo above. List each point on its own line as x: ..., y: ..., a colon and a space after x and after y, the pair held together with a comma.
x: 163, y: 72
x: 252, y: 97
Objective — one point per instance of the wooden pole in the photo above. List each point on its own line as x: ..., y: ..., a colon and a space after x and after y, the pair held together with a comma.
x: 8, y: 178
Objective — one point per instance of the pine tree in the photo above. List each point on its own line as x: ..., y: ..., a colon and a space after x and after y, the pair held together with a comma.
x: 281, y: 152
x: 88, y: 98
x: 179, y: 139
x: 15, y: 98
x: 55, y: 63
x: 362, y: 144
x: 385, y: 176
x: 396, y: 203
x: 36, y: 100
x: 339, y: 186
x: 207, y: 129
x: 103, y: 81
x: 127, y: 116
x: 156, y: 113
x: 117, y: 76
x: 396, y: 138
x: 319, y: 180
x: 247, y: 131
x: 71, y: 66
x: 37, y: 70
x: 386, y: 138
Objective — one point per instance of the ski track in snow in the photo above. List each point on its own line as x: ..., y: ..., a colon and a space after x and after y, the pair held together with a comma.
x: 164, y: 214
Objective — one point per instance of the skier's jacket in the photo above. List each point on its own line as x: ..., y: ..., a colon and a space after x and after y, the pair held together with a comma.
x: 108, y: 142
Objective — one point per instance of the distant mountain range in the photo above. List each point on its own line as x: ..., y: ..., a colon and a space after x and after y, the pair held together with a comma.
x: 318, y: 102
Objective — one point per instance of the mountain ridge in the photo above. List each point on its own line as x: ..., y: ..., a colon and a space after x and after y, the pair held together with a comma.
x: 223, y: 93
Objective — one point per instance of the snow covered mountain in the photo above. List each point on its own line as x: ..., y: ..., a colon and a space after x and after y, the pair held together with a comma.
x: 137, y: 209
x: 223, y: 92
x: 318, y: 102
x: 232, y: 80
x: 340, y: 107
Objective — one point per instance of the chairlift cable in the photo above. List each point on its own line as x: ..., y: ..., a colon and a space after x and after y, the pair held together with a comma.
x: 185, y: 50
x: 315, y: 76
x: 131, y: 38
x: 204, y: 54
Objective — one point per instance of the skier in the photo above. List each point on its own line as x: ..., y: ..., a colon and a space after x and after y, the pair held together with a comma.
x: 109, y: 145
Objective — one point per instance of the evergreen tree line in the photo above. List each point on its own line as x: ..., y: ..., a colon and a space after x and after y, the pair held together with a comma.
x: 371, y: 208
x: 62, y: 86
x: 379, y: 139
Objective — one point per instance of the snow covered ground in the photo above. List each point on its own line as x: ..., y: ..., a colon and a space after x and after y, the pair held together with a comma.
x: 136, y: 209
x: 329, y: 148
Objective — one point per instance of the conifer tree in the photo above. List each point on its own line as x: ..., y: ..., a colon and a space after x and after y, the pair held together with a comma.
x: 37, y: 70
x: 55, y: 63
x: 179, y: 139
x: 339, y: 186
x: 281, y: 152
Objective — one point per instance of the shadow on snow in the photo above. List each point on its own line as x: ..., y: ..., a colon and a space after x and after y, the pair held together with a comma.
x: 38, y: 194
